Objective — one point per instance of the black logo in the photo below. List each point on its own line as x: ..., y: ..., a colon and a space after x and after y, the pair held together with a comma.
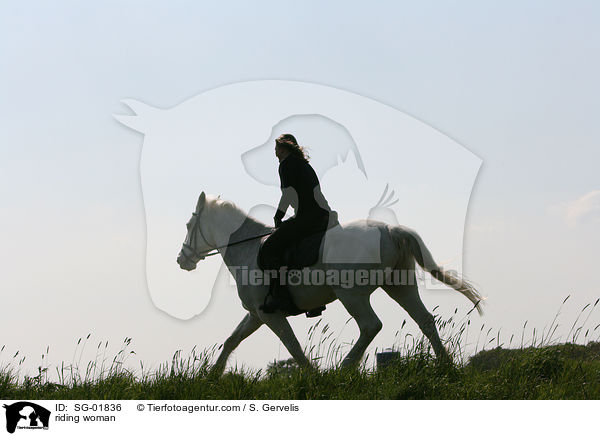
x: 26, y: 415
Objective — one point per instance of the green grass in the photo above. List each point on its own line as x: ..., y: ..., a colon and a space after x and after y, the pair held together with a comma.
x: 540, y: 369
x: 564, y: 371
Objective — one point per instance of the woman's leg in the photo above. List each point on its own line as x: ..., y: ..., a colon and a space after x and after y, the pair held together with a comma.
x: 272, y: 256
x: 274, y: 247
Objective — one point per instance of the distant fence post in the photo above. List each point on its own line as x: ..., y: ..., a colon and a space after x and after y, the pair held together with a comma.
x: 386, y: 357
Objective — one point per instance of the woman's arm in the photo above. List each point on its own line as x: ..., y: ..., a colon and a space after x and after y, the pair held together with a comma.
x: 284, y: 203
x: 289, y: 195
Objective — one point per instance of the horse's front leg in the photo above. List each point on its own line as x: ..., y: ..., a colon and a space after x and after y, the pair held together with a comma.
x: 249, y: 325
x: 281, y: 327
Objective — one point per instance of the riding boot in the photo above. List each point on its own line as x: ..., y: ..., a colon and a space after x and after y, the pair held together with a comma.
x: 269, y: 305
x: 315, y: 312
x: 285, y: 302
x: 279, y: 298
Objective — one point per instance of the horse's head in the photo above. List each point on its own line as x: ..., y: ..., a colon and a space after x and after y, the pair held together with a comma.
x: 195, y: 245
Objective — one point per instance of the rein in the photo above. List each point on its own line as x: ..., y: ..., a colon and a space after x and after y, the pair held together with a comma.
x: 216, y: 249
x: 199, y: 255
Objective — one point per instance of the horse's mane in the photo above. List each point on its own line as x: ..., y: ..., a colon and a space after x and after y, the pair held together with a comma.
x: 241, y: 213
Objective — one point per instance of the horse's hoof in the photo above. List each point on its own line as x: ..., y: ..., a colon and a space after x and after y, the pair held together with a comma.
x: 444, y: 359
x: 215, y: 372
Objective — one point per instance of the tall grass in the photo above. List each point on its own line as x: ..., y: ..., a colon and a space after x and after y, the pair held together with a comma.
x: 484, y: 367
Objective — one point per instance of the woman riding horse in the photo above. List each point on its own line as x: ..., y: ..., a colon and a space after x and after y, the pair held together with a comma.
x: 300, y: 189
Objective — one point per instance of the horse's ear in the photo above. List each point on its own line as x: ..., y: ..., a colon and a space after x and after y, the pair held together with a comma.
x: 143, y: 115
x: 201, y: 201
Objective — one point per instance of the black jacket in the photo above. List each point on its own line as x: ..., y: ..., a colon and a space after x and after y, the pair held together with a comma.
x: 300, y: 189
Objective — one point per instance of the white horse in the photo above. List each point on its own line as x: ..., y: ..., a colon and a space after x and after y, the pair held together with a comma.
x: 215, y: 220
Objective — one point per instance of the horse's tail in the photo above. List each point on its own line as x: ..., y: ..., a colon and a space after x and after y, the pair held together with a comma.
x: 409, y: 240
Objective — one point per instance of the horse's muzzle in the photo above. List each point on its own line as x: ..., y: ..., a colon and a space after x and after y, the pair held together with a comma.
x: 185, y: 264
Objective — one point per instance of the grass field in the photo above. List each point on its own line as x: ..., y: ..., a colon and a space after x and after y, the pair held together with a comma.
x: 544, y: 369
x: 564, y: 371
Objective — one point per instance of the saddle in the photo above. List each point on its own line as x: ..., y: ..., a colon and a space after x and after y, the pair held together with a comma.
x: 301, y: 254
x: 305, y: 252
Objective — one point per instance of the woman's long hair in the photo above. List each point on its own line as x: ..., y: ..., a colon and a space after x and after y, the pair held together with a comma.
x: 288, y: 141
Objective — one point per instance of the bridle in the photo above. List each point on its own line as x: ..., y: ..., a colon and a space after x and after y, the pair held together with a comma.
x: 196, y: 256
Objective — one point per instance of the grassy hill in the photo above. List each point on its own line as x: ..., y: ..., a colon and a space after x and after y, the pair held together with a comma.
x: 565, y: 371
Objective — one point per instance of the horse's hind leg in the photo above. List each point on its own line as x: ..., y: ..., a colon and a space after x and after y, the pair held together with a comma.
x: 408, y: 297
x: 359, y: 306
x: 249, y: 325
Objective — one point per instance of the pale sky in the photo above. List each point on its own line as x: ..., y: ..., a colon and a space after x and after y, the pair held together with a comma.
x: 514, y: 83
